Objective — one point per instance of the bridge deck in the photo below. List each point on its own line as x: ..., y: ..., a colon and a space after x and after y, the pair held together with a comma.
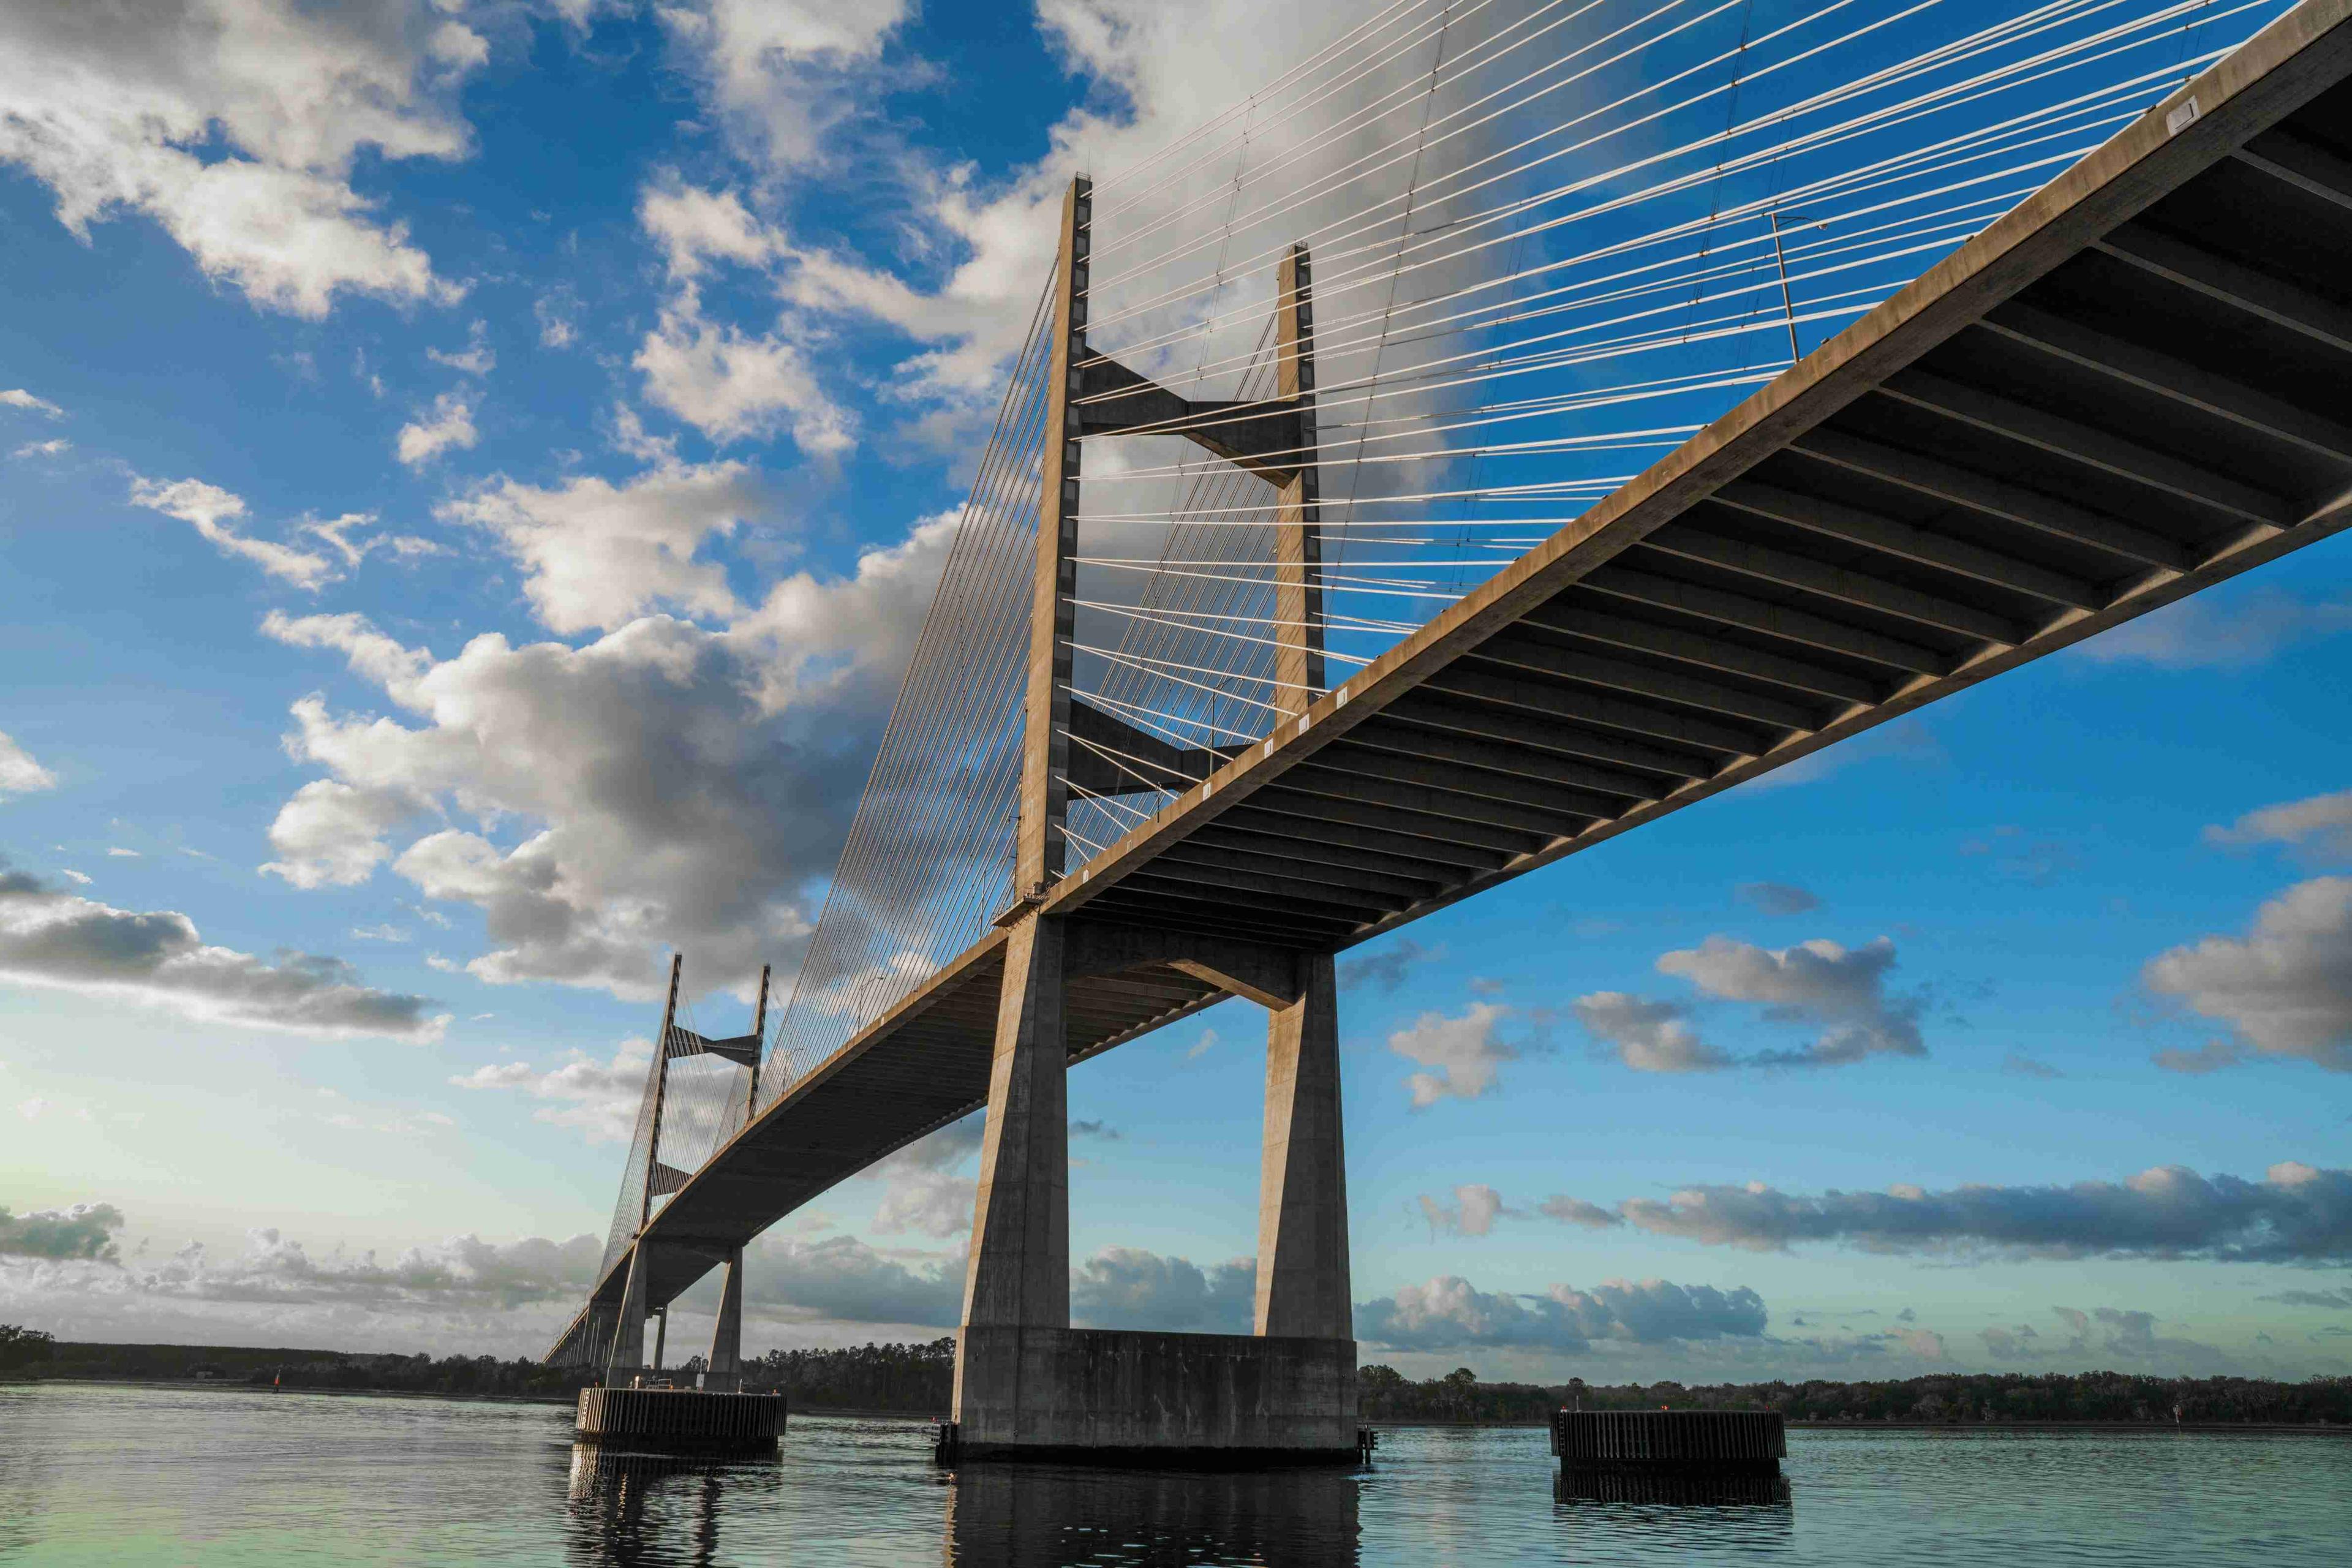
x: 2132, y: 386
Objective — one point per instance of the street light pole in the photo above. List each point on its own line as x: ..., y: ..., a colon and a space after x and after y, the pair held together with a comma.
x: 1781, y: 259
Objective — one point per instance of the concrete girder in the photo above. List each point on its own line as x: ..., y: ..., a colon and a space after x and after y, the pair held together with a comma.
x: 2175, y: 380
x: 1288, y: 892
x: 1339, y: 844
x: 1790, y: 625
x: 2094, y: 449
x: 1471, y: 784
x: 1704, y: 652
x: 2301, y: 162
x: 1397, y: 736
x: 1466, y: 679
x: 2232, y: 283
x: 1769, y: 565
x: 1358, y: 803
x: 1993, y: 497
x: 1334, y: 784
x: 1835, y: 520
x: 1432, y: 709
x: 1229, y: 859
x: 1521, y: 652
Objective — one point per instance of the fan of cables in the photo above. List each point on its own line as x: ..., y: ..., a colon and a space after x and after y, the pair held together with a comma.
x: 1550, y: 239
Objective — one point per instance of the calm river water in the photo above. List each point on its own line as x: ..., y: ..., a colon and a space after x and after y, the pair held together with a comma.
x: 128, y: 1475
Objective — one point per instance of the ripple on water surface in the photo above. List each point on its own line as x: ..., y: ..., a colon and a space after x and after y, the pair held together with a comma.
x: 133, y: 1476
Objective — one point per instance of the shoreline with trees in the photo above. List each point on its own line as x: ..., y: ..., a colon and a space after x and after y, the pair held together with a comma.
x: 917, y: 1380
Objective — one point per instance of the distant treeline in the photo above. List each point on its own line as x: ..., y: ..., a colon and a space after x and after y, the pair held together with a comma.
x: 35, y: 1354
x: 1988, y: 1398
x: 919, y: 1380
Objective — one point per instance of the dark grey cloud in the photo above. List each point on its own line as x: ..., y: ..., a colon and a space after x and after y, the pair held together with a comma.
x: 464, y: 1275
x: 2337, y: 1300
x: 674, y: 784
x: 2018, y: 1065
x: 1386, y: 968
x: 2294, y: 1214
x: 1576, y: 1211
x: 84, y: 1231
x: 1450, y: 1313
x: 2213, y: 1055
x: 925, y: 1187
x: 2037, y: 862
x: 1126, y: 1288
x: 2285, y: 987
x: 1647, y: 1034
x: 1778, y: 897
x: 51, y: 937
x: 843, y: 1279
x: 2107, y: 1336
x: 1841, y: 990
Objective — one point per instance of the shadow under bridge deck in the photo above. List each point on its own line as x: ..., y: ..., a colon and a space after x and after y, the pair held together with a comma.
x: 2137, y: 383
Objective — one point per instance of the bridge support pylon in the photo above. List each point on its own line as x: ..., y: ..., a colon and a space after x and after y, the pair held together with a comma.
x: 1028, y: 1386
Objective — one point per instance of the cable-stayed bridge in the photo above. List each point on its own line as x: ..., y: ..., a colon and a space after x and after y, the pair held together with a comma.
x: 1406, y: 484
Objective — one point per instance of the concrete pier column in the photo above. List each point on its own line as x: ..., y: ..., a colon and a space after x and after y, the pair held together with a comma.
x: 1019, y: 1276
x: 725, y: 1373
x: 628, y: 1354
x: 1302, y: 1213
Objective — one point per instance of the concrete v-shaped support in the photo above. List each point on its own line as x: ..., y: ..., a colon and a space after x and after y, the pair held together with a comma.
x: 1029, y: 1384
x: 1302, y: 1210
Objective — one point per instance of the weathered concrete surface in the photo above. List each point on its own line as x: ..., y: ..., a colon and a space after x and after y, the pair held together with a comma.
x: 1020, y: 1267
x: 627, y: 1357
x: 1302, y: 1211
x: 725, y: 1373
x: 1106, y: 1394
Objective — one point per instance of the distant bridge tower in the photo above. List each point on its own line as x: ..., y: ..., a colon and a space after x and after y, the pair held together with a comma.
x: 1027, y: 1383
x: 615, y: 1341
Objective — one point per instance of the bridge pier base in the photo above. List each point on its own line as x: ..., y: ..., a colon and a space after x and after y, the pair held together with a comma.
x: 1028, y: 1386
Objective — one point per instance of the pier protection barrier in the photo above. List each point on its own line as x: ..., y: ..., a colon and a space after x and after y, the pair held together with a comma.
x: 1715, y: 1442
x: 680, y: 1420
x: 1114, y: 1396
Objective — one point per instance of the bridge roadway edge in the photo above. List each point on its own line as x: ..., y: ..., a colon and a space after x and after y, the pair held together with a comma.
x: 2279, y: 70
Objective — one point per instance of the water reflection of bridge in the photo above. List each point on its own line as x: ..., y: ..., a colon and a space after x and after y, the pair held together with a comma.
x: 1445, y: 1488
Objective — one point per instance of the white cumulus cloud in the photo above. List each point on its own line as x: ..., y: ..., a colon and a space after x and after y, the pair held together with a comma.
x: 447, y: 426
x: 208, y: 508
x: 19, y: 773
x: 235, y: 125
x: 1461, y: 1054
x: 2286, y: 986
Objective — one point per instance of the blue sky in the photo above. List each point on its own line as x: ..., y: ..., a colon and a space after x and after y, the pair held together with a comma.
x: 470, y: 475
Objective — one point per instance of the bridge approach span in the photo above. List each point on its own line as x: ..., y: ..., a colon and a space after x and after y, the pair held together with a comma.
x: 2137, y: 383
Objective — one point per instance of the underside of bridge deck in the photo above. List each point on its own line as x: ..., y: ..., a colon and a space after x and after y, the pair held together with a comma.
x: 2135, y: 385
